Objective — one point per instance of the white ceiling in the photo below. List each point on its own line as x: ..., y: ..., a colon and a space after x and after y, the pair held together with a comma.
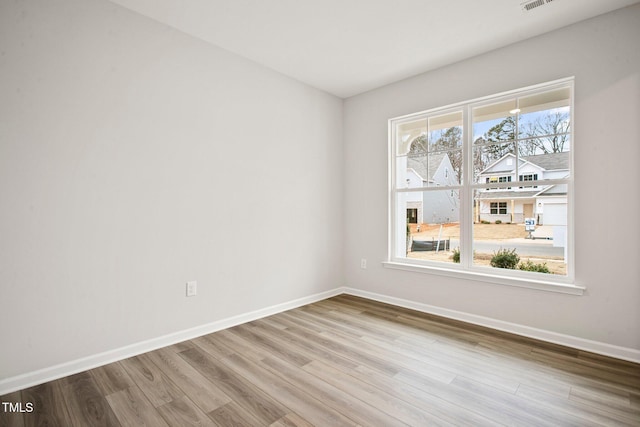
x: 347, y: 47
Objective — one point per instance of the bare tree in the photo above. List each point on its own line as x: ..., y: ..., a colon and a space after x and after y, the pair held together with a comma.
x: 450, y: 139
x: 418, y: 146
x: 547, y: 133
x: 446, y: 140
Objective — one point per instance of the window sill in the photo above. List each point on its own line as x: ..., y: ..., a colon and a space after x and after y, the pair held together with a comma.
x: 542, y: 285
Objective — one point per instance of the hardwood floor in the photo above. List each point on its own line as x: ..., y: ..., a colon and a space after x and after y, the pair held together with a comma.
x: 345, y: 361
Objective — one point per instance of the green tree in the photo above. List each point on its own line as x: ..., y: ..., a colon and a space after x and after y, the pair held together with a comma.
x: 494, y: 144
x: 503, y: 131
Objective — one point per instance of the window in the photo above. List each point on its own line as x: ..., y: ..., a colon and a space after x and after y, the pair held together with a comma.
x: 498, y: 179
x: 498, y: 208
x: 468, y: 156
x: 529, y: 177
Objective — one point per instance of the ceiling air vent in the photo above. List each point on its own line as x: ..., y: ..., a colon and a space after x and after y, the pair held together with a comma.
x: 532, y: 4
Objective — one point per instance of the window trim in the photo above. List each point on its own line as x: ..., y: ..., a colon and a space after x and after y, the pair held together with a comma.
x: 466, y: 270
x: 444, y: 270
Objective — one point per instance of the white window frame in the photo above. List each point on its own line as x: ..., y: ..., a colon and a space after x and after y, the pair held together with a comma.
x: 466, y: 269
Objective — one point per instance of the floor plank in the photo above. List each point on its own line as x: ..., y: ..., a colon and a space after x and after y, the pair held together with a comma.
x: 151, y: 380
x: 49, y: 405
x: 183, y: 412
x: 199, y: 389
x: 291, y: 420
x: 248, y: 396
x: 133, y: 408
x: 86, y: 404
x: 233, y: 415
x: 9, y: 417
x: 111, y: 378
x: 354, y: 408
x: 392, y: 405
x: 315, y: 411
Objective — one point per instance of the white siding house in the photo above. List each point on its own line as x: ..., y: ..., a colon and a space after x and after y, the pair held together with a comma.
x: 432, y: 207
x: 514, y: 204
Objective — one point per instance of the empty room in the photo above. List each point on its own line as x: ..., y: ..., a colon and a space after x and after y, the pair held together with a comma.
x: 295, y: 213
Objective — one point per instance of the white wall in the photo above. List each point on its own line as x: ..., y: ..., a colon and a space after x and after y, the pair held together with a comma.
x: 602, y: 55
x: 133, y: 158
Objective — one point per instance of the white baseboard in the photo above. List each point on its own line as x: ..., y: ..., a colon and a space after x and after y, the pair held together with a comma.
x: 623, y: 353
x: 30, y: 379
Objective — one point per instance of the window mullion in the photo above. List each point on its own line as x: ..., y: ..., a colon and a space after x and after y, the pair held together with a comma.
x: 516, y: 136
x: 467, y: 207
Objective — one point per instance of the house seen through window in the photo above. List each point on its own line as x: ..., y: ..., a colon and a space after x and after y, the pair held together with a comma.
x: 453, y: 202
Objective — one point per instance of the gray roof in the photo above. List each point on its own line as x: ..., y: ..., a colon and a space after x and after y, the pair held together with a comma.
x: 550, y: 161
x: 555, y: 190
x: 420, y: 164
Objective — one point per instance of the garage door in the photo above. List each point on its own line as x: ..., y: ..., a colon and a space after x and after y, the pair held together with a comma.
x: 555, y: 214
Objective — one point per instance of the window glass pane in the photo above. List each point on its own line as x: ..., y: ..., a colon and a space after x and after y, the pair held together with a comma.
x: 545, y: 131
x: 530, y: 228
x: 403, y: 202
x: 407, y: 133
x: 494, y: 123
x: 544, y: 166
x: 550, y: 99
x: 418, y: 146
x: 435, y: 234
x: 445, y: 131
x: 433, y: 169
x: 404, y: 176
x: 493, y: 160
x: 537, y: 145
x: 453, y: 176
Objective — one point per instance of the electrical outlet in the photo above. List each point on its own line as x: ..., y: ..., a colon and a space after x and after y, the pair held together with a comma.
x: 192, y: 288
x: 363, y: 263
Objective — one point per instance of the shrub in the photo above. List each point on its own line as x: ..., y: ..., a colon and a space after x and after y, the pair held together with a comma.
x: 505, y: 258
x: 530, y: 266
x: 484, y: 221
x: 456, y: 255
x: 498, y: 221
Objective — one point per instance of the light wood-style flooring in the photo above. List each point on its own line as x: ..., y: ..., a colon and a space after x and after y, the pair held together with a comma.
x: 345, y: 361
